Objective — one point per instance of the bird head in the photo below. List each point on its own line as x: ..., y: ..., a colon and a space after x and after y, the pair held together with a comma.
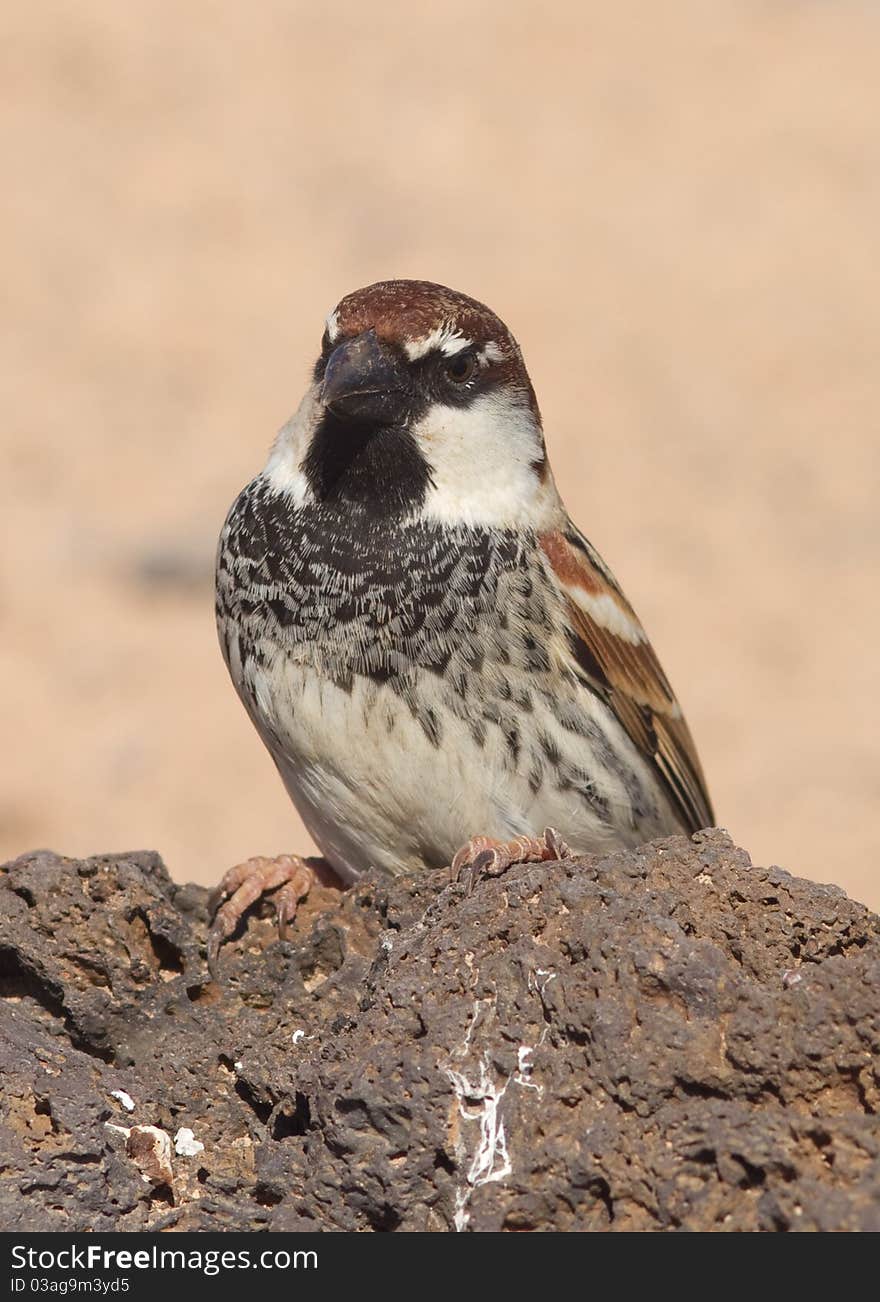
x: 420, y: 407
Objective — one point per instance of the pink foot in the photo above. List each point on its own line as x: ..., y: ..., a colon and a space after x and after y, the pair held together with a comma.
x: 483, y: 856
x: 288, y: 875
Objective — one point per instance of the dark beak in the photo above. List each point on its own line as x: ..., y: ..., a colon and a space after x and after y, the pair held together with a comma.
x: 363, y: 382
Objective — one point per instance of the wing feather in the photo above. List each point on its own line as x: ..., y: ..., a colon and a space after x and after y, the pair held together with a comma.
x: 610, y: 647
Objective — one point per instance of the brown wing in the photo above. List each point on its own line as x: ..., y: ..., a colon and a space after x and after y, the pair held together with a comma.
x: 612, y: 651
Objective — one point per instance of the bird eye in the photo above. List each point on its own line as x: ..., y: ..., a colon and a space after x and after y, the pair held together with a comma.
x: 460, y: 368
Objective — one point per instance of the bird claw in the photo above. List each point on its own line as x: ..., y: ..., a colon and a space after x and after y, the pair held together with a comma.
x: 289, y: 876
x: 482, y: 856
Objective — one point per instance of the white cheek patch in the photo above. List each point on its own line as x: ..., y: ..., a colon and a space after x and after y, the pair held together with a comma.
x: 282, y: 470
x: 445, y: 339
x: 332, y: 324
x: 482, y: 460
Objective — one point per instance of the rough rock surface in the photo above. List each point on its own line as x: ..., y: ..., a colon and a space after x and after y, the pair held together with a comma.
x: 663, y: 1039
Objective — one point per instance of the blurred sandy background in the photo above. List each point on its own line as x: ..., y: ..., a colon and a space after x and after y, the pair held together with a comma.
x: 676, y: 208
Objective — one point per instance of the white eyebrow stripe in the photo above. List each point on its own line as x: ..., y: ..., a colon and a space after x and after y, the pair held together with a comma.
x: 332, y: 324
x: 455, y: 344
x: 491, y: 353
x: 445, y: 339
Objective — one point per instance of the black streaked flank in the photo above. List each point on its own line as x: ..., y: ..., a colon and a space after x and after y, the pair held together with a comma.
x: 594, y: 674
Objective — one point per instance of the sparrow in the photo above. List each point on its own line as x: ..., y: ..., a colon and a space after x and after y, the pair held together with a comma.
x: 441, y: 665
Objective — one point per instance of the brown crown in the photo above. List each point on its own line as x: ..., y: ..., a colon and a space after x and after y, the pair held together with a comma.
x: 401, y: 311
